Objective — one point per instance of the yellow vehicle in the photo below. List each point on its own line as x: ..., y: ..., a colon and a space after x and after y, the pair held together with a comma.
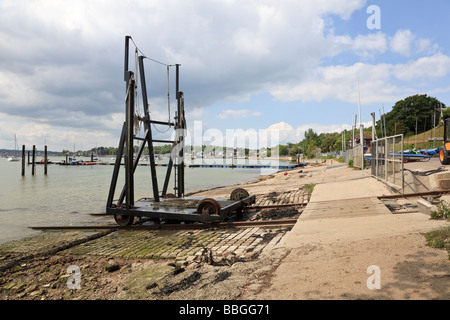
x: 444, y: 151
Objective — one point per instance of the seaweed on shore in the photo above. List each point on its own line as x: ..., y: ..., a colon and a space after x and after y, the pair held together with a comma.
x: 277, y: 213
x: 182, y: 285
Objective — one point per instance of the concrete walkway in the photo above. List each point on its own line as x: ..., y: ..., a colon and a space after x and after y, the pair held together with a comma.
x: 343, y: 231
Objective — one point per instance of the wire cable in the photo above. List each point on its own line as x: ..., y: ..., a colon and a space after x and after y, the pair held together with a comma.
x: 137, y: 50
x: 145, y: 57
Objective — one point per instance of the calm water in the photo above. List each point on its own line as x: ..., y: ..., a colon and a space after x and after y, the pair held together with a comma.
x: 67, y: 194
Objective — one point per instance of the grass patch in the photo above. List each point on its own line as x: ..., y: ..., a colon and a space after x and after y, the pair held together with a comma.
x: 350, y: 163
x: 439, y: 239
x: 309, y: 187
x: 442, y: 212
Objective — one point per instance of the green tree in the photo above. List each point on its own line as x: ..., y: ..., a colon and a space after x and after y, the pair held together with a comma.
x: 283, y: 150
x: 328, y: 142
x: 337, y: 145
x: 414, y: 111
x: 310, y: 142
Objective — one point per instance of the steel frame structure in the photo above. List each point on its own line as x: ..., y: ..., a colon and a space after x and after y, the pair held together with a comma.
x: 128, y: 137
x: 161, y: 206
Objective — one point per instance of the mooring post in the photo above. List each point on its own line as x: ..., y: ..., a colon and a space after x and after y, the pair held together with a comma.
x: 45, y: 160
x: 23, y: 160
x: 28, y: 157
x: 33, y: 158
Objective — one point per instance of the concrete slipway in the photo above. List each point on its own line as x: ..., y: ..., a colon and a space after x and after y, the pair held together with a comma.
x: 346, y: 229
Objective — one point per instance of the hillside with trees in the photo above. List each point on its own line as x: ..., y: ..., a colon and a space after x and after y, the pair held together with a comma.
x: 414, y: 114
x: 417, y: 113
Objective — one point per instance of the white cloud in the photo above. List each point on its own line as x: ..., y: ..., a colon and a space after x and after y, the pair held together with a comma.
x: 425, y: 46
x: 369, y: 45
x: 424, y: 69
x: 243, y: 113
x: 377, y: 81
x: 31, y: 133
x: 284, y: 131
x: 406, y: 43
x: 214, y: 41
x: 402, y: 41
x: 364, y: 46
x: 287, y: 133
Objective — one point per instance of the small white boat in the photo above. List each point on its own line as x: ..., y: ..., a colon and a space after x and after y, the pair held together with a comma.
x: 13, y: 159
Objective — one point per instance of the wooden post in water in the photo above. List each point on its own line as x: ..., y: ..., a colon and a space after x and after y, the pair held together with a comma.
x: 45, y: 160
x: 23, y: 160
x: 33, y: 158
x: 28, y: 157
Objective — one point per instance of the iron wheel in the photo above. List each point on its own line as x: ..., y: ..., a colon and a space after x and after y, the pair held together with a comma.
x: 208, y: 207
x: 239, y: 194
x: 123, y: 220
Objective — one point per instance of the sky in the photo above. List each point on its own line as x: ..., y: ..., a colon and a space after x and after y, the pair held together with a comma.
x: 282, y: 66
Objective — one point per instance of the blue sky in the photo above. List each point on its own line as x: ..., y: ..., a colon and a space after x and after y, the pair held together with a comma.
x: 410, y: 31
x: 250, y: 65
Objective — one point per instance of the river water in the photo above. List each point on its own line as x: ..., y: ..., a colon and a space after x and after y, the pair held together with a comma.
x: 67, y: 194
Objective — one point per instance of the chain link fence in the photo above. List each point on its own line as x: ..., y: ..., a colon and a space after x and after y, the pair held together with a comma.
x: 354, y: 154
x: 387, y: 161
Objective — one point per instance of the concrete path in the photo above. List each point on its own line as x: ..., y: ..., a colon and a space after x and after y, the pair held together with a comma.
x: 343, y: 231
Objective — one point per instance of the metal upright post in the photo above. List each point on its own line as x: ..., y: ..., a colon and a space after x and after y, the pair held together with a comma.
x: 353, y: 133
x: 361, y: 137
x: 374, y: 132
x: 147, y: 127
x: 183, y: 125
x: 115, y: 175
x: 129, y: 143
x: 125, y: 66
x: 180, y: 140
x: 403, y: 165
x: 130, y: 83
x: 166, y: 180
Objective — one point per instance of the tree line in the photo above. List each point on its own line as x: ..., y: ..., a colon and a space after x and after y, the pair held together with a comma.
x: 418, y: 113
x: 414, y: 114
x: 112, y: 151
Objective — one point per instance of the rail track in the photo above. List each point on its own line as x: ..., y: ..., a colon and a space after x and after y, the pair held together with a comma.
x: 163, y: 226
x: 223, y: 225
x: 415, y: 195
x: 104, y: 230
x: 139, y: 225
